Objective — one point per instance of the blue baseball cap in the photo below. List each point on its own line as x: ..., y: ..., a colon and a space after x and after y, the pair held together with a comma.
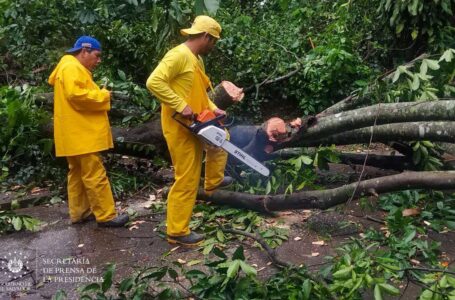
x: 85, y: 42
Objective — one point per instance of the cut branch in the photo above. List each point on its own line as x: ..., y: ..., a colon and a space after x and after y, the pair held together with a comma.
x: 385, y: 113
x: 412, y: 131
x: 324, y: 199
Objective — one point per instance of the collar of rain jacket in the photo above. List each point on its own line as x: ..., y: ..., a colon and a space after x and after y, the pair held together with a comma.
x: 66, y: 59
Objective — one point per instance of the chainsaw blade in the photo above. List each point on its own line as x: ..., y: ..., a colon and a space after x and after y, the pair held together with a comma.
x: 245, y: 158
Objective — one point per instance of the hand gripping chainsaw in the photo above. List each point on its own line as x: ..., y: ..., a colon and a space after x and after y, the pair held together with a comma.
x: 207, y: 127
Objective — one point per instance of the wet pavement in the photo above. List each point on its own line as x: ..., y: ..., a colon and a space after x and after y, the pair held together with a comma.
x: 65, y: 256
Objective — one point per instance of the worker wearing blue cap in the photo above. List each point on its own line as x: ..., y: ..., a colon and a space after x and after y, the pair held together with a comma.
x: 81, y: 131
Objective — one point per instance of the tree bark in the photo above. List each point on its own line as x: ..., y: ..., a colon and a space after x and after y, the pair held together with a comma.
x: 323, y: 199
x: 412, y: 131
x: 382, y: 114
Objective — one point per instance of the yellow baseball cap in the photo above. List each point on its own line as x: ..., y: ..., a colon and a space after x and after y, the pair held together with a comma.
x: 203, y: 24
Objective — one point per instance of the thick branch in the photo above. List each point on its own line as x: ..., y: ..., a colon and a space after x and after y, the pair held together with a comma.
x: 328, y: 198
x: 412, y: 131
x: 345, y: 104
x: 383, y: 114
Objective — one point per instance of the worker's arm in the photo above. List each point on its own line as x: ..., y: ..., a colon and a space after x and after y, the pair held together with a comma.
x: 79, y: 95
x: 159, y: 81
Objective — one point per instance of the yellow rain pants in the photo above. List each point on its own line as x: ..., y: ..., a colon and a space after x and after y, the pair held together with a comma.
x: 186, y: 153
x: 186, y: 149
x: 89, y: 189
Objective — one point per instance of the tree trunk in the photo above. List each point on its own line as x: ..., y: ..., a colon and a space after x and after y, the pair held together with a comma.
x: 412, y: 131
x: 323, y: 199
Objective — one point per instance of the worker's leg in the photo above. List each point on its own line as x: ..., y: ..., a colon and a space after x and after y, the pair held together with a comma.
x: 97, y: 187
x: 215, y: 163
x: 79, y: 207
x: 186, y: 155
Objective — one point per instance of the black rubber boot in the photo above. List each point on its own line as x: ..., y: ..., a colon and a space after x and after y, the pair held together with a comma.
x: 90, y: 217
x: 192, y: 239
x: 227, y: 181
x: 118, y: 221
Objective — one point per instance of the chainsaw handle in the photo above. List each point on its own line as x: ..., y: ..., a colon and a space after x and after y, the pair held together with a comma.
x: 174, y: 116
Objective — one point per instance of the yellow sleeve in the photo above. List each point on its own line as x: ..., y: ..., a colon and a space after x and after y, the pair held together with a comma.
x: 212, y: 105
x: 159, y: 82
x: 79, y: 95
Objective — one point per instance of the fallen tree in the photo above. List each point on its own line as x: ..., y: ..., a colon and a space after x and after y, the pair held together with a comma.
x: 323, y: 199
x: 384, y: 122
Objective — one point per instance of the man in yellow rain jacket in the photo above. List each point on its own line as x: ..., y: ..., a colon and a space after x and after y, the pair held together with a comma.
x: 180, y: 83
x: 81, y: 130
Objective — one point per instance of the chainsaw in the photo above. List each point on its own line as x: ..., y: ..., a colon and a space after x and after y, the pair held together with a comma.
x: 208, y: 128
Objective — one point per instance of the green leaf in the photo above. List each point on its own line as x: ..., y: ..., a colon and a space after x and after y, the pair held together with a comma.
x: 91, y: 288
x: 397, y: 73
x: 217, y: 251
x: 390, y: 289
x: 238, y: 254
x: 212, y: 6
x: 409, y: 236
x: 415, y: 82
x: 193, y: 262
x: 447, y: 56
x: 127, y: 118
x: 247, y: 269
x: 220, y: 236
x: 17, y: 223
x: 377, y: 293
x: 268, y: 188
x: 107, y: 277
x: 306, y: 288
x: 172, y: 273
x: 122, y: 75
x: 432, y: 64
x: 55, y: 200
x: 413, y: 7
x: 306, y: 160
x: 344, y: 273
x: 450, y: 224
x: 233, y: 268
x: 199, y: 7
x: 60, y: 295
x: 399, y: 28
x: 126, y: 284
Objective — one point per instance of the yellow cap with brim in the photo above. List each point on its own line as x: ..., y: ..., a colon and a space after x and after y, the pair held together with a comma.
x: 203, y: 24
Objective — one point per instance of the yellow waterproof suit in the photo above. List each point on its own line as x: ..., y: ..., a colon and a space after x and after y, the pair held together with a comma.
x: 179, y: 80
x: 81, y: 130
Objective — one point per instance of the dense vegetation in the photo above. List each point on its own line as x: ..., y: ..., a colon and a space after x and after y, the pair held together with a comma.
x: 329, y: 50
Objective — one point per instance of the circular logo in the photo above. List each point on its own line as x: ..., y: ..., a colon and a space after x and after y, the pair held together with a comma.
x: 14, y: 265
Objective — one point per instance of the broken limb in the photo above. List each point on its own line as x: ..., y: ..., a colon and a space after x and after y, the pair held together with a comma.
x: 323, y: 199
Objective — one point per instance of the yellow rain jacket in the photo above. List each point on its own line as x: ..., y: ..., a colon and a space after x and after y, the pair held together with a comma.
x: 81, y: 124
x: 179, y: 80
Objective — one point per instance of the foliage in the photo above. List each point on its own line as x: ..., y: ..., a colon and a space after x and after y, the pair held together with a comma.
x: 212, y: 220
x: 288, y: 176
x: 135, y: 34
x: 316, y: 41
x: 133, y: 102
x: 426, y: 79
x: 228, y: 277
x: 425, y: 22
x: 433, y: 209
x: 12, y: 222
x: 24, y: 152
x: 360, y: 266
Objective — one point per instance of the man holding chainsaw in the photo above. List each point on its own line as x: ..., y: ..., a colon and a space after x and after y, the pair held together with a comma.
x: 180, y: 84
